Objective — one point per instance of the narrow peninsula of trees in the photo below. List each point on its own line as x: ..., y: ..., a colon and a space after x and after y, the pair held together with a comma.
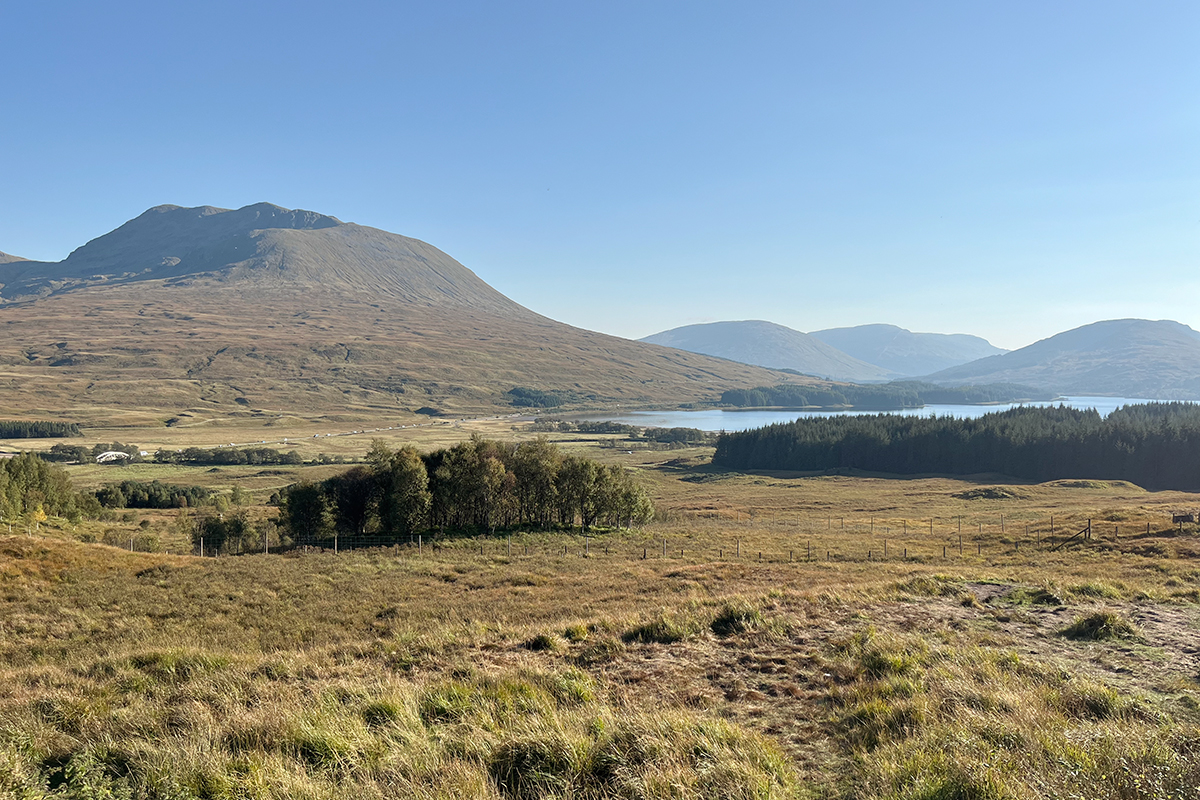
x: 1155, y: 445
x: 899, y: 394
x: 634, y: 433
x: 17, y: 429
x: 477, y: 485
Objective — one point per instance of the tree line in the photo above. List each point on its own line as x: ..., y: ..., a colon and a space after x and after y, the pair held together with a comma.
x: 479, y: 485
x: 225, y: 456
x: 897, y: 394
x: 1154, y: 445
x: 194, y: 456
x: 633, y: 432
x: 32, y: 490
x: 67, y: 453
x: 19, y: 429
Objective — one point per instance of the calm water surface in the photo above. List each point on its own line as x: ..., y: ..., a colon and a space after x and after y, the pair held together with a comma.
x: 721, y: 420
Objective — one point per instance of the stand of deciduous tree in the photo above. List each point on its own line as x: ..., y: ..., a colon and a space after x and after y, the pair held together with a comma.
x: 31, y: 490
x: 478, y: 485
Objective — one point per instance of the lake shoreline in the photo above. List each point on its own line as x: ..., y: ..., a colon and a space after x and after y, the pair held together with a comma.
x: 744, y: 418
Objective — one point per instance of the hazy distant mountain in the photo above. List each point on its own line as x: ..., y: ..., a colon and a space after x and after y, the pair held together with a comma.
x: 274, y: 309
x: 5, y: 258
x: 770, y: 345
x: 906, y: 353
x: 1120, y: 357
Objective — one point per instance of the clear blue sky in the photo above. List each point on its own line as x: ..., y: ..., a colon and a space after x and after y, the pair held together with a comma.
x: 1006, y: 169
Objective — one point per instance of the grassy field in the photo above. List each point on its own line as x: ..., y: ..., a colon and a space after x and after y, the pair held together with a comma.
x: 757, y: 641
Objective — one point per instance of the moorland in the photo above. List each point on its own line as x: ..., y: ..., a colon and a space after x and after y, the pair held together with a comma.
x: 768, y: 634
x: 740, y: 633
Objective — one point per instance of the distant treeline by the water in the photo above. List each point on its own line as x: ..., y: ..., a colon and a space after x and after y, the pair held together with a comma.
x: 1155, y: 445
x: 20, y: 429
x: 899, y: 394
x: 634, y: 432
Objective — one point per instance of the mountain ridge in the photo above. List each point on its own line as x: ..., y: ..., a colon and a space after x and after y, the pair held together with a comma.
x: 1153, y: 359
x: 905, y: 352
x: 265, y: 244
x: 771, y: 345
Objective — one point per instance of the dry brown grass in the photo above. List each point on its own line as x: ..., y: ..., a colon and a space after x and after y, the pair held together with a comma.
x: 393, y: 673
x: 148, y: 351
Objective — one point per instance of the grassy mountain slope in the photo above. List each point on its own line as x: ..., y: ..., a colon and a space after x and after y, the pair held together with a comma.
x: 262, y: 248
x: 290, y: 310
x: 770, y: 345
x: 904, y: 352
x: 1120, y: 357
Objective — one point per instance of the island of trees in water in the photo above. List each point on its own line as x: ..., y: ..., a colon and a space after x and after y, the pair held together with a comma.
x: 1154, y: 445
x: 898, y: 394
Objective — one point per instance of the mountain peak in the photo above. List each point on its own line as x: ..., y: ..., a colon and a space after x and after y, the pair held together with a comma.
x: 6, y: 258
x: 257, y: 216
x: 261, y: 248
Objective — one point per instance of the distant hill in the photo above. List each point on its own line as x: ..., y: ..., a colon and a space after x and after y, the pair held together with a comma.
x: 265, y: 309
x: 5, y: 258
x: 906, y: 353
x: 1120, y: 357
x: 770, y: 345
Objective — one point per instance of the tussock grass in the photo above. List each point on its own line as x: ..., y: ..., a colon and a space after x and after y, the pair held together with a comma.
x: 1100, y: 627
x: 665, y: 629
x: 735, y: 617
x: 974, y: 723
x: 524, y: 734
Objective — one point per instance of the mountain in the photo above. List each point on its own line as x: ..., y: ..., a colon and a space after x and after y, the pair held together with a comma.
x: 261, y: 247
x: 769, y: 345
x: 1120, y: 357
x: 906, y: 353
x: 268, y: 309
x: 5, y: 258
